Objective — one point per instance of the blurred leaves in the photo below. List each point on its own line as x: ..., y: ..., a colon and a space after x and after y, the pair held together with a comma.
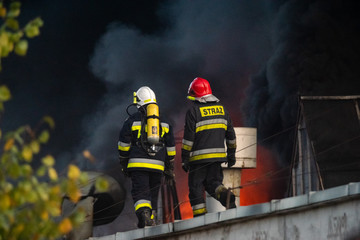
x: 31, y: 197
x: 12, y: 36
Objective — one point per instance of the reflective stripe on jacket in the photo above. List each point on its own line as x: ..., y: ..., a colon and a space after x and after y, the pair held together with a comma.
x: 207, y: 127
x: 130, y: 147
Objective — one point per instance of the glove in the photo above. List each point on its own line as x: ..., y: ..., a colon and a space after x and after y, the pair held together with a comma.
x: 185, y: 166
x: 231, y: 161
x: 169, y: 174
x: 169, y: 169
x: 124, y: 163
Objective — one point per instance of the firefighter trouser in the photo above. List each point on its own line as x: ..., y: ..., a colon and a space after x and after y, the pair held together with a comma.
x: 206, y: 176
x: 145, y: 189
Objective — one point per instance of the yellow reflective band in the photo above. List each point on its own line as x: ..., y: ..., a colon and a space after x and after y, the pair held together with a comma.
x: 121, y: 148
x: 171, y: 153
x: 135, y: 97
x: 191, y: 98
x: 199, y: 211
x: 164, y: 130
x: 210, y: 155
x: 186, y: 147
x: 142, y: 205
x: 149, y: 100
x: 211, y: 126
x: 137, y: 128
x: 146, y: 165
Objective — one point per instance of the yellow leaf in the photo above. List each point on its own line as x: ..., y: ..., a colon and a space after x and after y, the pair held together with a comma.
x: 73, y: 192
x: 27, y: 153
x: 48, y: 160
x: 84, y: 178
x: 26, y: 170
x: 55, y: 190
x: 5, y: 94
x: 43, y: 194
x: 41, y: 171
x: 5, y: 202
x: 9, y: 143
x: 31, y: 197
x: 12, y: 23
x: 101, y: 184
x: 55, y: 211
x: 21, y: 47
x: 44, y: 215
x: 4, y: 39
x: 35, y: 146
x: 2, y: 12
x: 32, y: 31
x: 52, y: 174
x: 65, y: 226
x: 73, y: 172
x: 44, y: 136
x: 49, y: 120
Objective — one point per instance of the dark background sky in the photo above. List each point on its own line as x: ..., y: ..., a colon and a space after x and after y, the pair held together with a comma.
x: 54, y: 78
x: 91, y: 56
x: 259, y: 56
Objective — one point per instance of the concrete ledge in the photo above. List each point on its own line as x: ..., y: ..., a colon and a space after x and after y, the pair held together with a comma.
x: 354, y: 188
x: 289, y: 203
x: 211, y: 218
x: 227, y: 215
x: 252, y: 210
x: 329, y: 194
x: 190, y: 223
x: 240, y: 215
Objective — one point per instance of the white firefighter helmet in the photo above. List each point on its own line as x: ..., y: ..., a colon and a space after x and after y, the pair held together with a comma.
x: 145, y: 96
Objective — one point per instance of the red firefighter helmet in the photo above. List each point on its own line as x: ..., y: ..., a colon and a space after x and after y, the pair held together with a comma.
x: 199, y: 87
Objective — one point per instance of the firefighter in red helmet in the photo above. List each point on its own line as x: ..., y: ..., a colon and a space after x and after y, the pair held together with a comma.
x: 146, y: 151
x: 207, y: 126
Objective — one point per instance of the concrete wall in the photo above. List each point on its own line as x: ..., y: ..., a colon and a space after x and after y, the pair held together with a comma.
x: 330, y: 214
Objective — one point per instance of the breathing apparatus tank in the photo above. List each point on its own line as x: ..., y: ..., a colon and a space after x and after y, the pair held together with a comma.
x: 145, y: 99
x: 152, y: 121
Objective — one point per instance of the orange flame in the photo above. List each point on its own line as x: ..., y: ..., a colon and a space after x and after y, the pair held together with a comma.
x: 264, y: 183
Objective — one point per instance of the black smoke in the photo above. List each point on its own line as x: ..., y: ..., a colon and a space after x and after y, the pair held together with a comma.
x: 316, y: 52
x: 223, y: 42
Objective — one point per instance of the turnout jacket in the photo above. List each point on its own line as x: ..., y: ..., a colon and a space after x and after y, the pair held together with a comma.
x: 131, y: 149
x: 207, y: 126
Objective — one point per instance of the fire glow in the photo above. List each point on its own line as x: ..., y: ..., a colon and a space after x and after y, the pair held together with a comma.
x: 259, y: 185
x: 262, y: 183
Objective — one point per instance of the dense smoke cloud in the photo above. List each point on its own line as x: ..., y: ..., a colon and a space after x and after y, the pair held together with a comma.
x: 221, y: 41
x: 316, y: 52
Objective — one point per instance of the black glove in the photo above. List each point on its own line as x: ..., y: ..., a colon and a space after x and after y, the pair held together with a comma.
x: 169, y: 174
x: 185, y: 166
x: 231, y: 161
x: 169, y: 169
x: 124, y: 163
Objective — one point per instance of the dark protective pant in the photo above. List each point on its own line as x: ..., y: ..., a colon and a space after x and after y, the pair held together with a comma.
x: 208, y: 176
x: 146, y: 186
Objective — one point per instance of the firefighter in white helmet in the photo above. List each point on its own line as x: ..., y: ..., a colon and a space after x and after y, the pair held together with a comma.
x: 146, y: 151
x: 207, y: 126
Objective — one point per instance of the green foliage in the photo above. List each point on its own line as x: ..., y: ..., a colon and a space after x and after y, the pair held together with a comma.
x: 12, y: 36
x: 30, y: 199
